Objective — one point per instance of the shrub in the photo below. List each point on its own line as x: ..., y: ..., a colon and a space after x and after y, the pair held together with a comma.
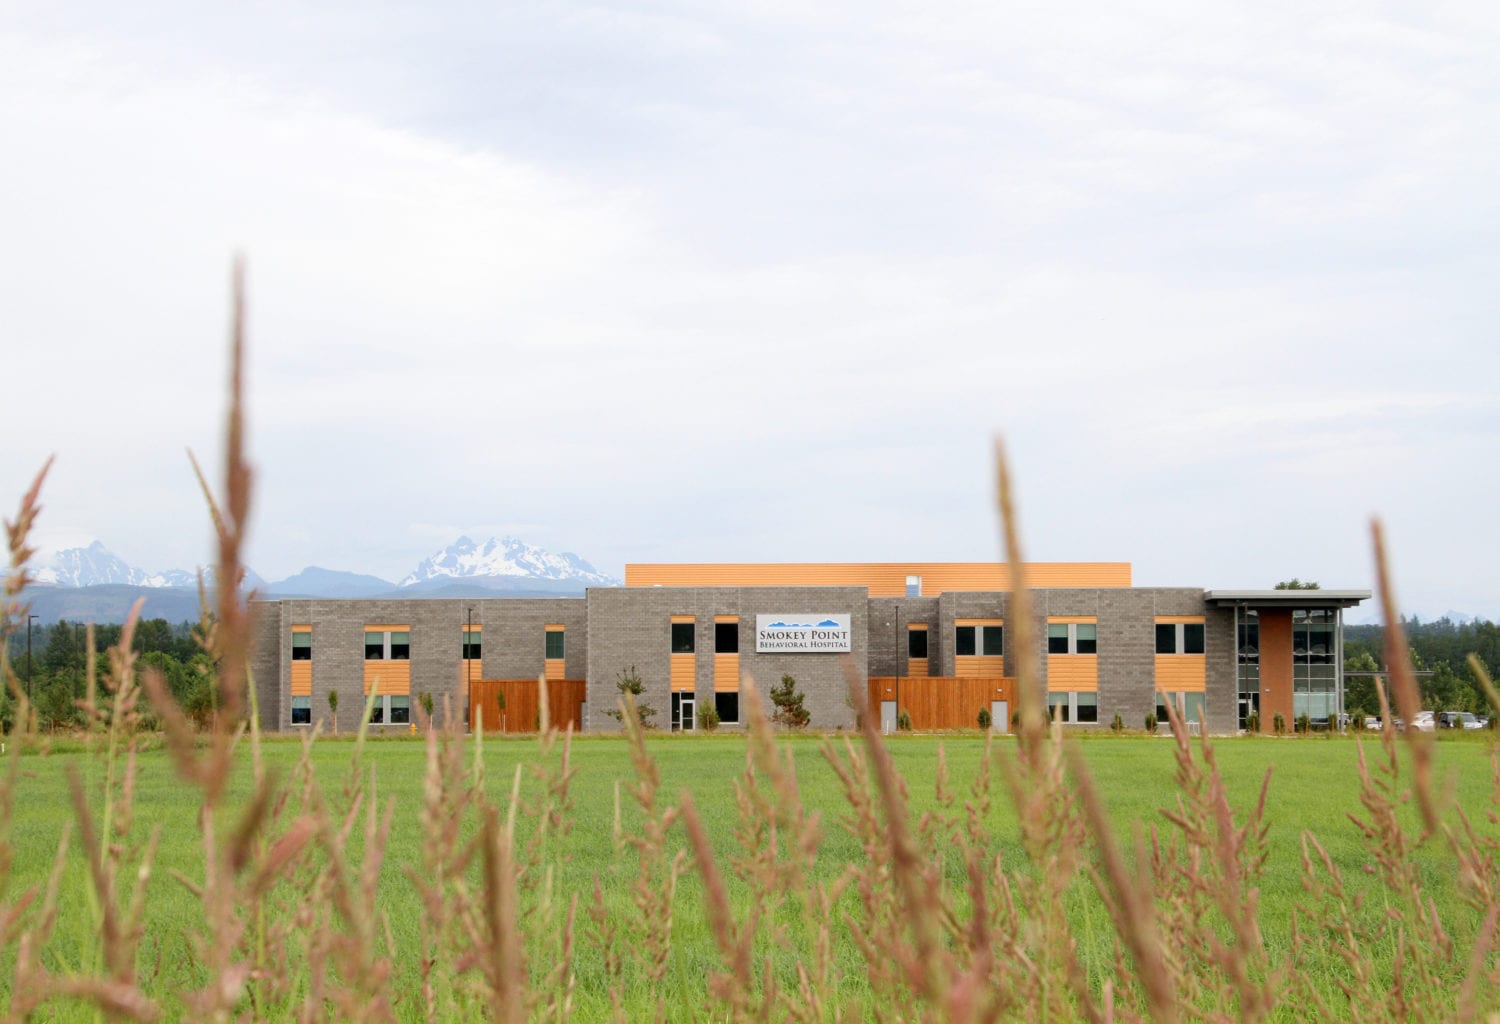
x: 1117, y: 725
x: 789, y: 710
x: 1278, y: 724
x: 984, y: 718
x: 628, y: 681
x: 1150, y: 721
x: 425, y: 699
x: 903, y: 721
x: 708, y: 718
x: 1252, y: 722
x: 1304, y: 723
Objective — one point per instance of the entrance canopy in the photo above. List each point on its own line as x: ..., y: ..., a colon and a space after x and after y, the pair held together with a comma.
x: 1286, y: 598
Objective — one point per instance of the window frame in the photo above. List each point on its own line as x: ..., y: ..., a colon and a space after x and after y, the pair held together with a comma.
x: 727, y: 631
x: 562, y: 646
x: 1179, y: 637
x: 306, y: 708
x: 1072, y: 641
x: 471, y: 650
x: 911, y: 635
x: 683, y: 638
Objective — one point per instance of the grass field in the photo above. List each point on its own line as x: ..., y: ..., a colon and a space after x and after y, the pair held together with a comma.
x: 1314, y: 787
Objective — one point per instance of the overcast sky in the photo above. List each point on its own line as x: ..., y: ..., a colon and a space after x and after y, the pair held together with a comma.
x: 724, y: 282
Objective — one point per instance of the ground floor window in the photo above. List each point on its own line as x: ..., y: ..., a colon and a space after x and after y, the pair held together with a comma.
x: 728, y: 707
x: 1073, y: 706
x: 301, y: 710
x: 1190, y: 705
x: 394, y: 709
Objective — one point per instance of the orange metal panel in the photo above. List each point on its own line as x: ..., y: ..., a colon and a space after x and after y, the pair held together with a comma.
x: 916, y: 668
x: 302, y: 629
x: 393, y: 677
x: 917, y: 627
x: 982, y: 666
x: 727, y: 673
x: 880, y: 579
x: 554, y: 668
x: 1072, y: 672
x: 1166, y: 619
x: 387, y: 628
x: 301, y: 679
x: 1182, y: 673
x: 1061, y: 619
x: 684, y: 673
x: 977, y: 622
x: 684, y: 618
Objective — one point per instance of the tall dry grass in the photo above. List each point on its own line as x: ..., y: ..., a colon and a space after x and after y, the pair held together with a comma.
x: 931, y: 922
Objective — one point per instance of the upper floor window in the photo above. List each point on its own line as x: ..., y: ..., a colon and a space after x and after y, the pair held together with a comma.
x: 387, y: 644
x: 981, y: 640
x: 302, y: 645
x: 683, y: 639
x: 554, y: 644
x: 1179, y: 638
x: 727, y: 638
x: 472, y: 644
x: 1072, y: 638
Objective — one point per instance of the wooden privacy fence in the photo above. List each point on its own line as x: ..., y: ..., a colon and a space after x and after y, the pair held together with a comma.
x: 943, y: 702
x: 565, y: 699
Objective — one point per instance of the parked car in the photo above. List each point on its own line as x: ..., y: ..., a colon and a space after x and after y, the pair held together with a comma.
x: 1458, y: 720
x: 1372, y: 723
x: 1423, y: 722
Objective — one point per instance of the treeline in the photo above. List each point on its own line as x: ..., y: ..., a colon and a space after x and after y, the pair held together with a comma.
x: 55, y: 673
x: 1440, y: 652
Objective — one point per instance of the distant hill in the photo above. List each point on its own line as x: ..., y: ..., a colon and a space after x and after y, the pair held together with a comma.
x: 316, y: 582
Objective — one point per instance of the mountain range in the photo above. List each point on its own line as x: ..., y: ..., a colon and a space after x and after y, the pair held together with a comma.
x: 92, y: 583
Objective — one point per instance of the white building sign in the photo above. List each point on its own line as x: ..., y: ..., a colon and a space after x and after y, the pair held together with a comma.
x: 819, y: 634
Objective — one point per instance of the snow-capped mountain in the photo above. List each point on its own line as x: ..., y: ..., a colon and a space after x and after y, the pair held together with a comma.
x: 96, y: 565
x: 507, y: 557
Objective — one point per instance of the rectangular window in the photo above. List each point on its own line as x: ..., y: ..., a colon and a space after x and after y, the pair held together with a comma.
x: 682, y: 637
x: 554, y: 644
x: 302, y: 647
x: 374, y: 646
x: 1192, y: 638
x: 964, y: 641
x: 377, y: 713
x: 400, y: 709
x: 913, y: 586
x: 1190, y: 704
x: 1058, y: 706
x: 1057, y: 638
x: 1179, y: 638
x: 1088, y: 707
x: 1166, y: 638
x: 400, y: 646
x: 301, y: 710
x: 472, y: 644
x: 990, y: 640
x: 1072, y: 638
x: 726, y: 640
x: 728, y: 706
x: 916, y: 642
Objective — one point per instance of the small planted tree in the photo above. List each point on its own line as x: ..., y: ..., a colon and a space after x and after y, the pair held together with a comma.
x: 903, y: 721
x: 1151, y: 721
x: 1278, y: 723
x: 500, y: 700
x: 1118, y: 725
x: 1252, y: 722
x: 333, y: 709
x: 629, y: 681
x: 984, y: 718
x: 789, y: 710
x: 425, y: 699
x: 708, y: 718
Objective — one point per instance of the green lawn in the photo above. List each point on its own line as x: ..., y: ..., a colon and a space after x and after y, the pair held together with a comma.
x: 1314, y: 787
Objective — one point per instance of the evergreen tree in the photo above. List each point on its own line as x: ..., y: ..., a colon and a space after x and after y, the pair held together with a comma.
x: 789, y: 710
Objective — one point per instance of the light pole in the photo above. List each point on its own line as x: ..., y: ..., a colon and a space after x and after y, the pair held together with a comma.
x: 30, y: 668
x: 469, y: 667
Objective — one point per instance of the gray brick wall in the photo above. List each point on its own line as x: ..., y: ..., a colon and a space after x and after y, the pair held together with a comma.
x: 632, y: 626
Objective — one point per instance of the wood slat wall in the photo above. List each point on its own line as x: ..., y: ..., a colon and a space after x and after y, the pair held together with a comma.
x: 565, y: 699
x: 1186, y: 673
x: 916, y: 668
x: 556, y: 668
x: 940, y: 702
x: 881, y: 579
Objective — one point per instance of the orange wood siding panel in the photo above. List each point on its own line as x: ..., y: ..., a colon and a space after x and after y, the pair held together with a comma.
x: 394, y: 677
x: 1182, y: 673
x: 469, y: 670
x: 1063, y: 619
x: 916, y: 668
x: 1165, y: 619
x: 302, y: 629
x: 727, y: 673
x: 940, y: 702
x: 1067, y: 672
x: 684, y: 618
x: 387, y: 629
x: 683, y: 676
x: 880, y: 579
x: 554, y: 668
x: 1275, y: 667
x: 978, y: 665
x: 301, y: 679
x: 565, y: 699
x: 977, y: 622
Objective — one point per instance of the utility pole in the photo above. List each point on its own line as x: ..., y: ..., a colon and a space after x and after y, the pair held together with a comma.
x: 469, y: 668
x: 30, y: 668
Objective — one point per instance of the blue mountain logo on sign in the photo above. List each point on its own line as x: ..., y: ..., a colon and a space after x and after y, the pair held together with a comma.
x: 797, y: 625
x: 828, y: 622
